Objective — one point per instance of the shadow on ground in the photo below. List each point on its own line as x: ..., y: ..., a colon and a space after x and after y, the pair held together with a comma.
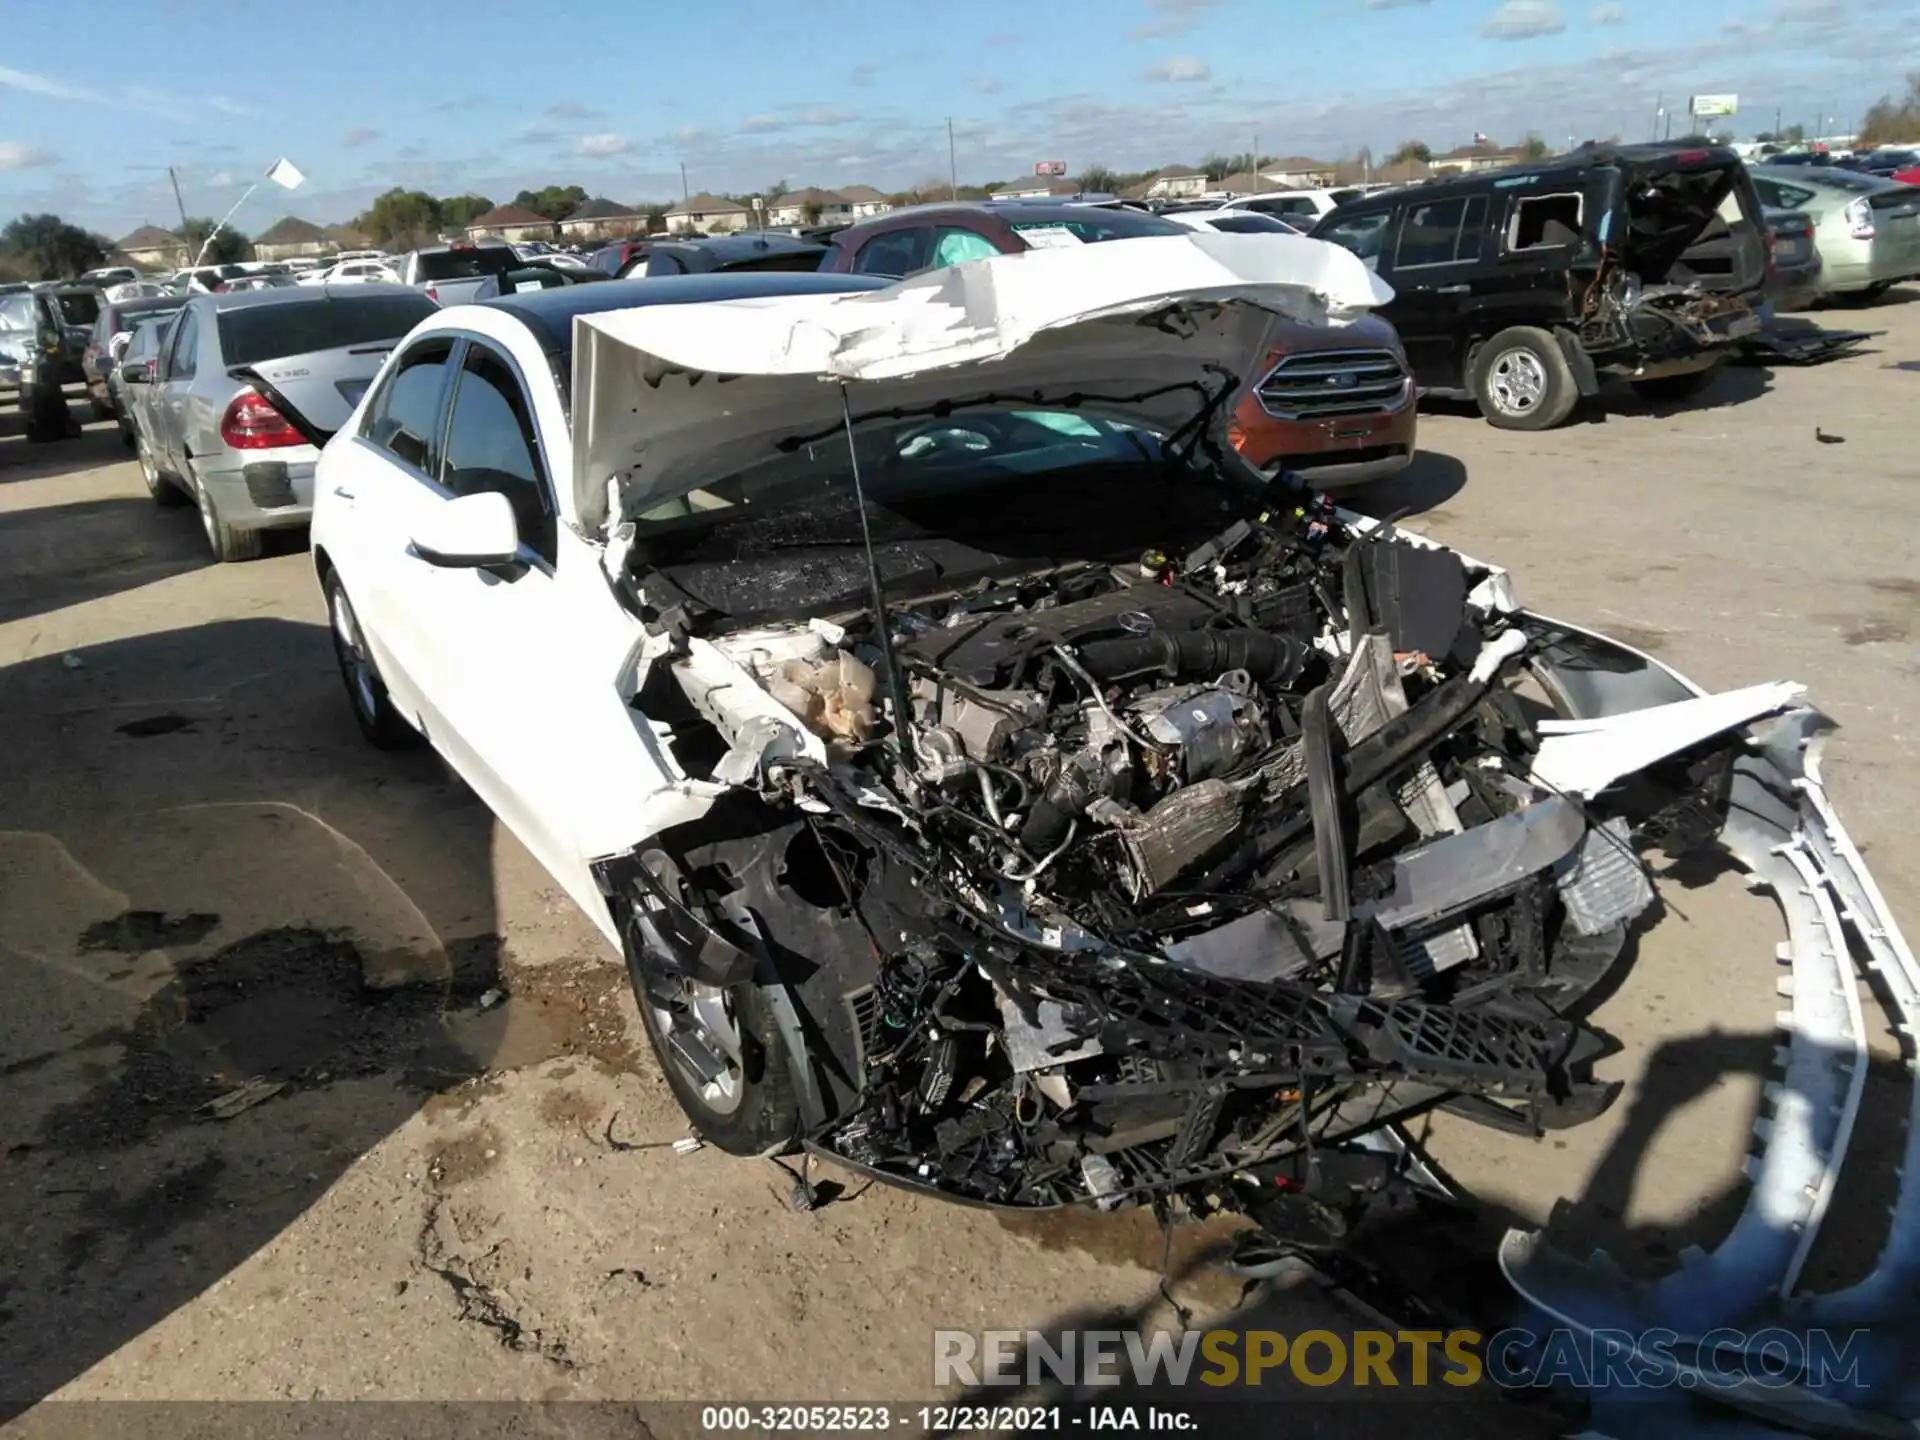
x: 205, y: 879
x: 98, y: 444
x: 1428, y: 482
x: 61, y: 555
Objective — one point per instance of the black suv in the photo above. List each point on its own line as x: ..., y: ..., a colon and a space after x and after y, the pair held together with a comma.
x: 1519, y: 288
x: 31, y: 337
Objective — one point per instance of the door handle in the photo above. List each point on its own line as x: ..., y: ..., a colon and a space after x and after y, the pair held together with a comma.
x: 343, y: 492
x: 1453, y: 290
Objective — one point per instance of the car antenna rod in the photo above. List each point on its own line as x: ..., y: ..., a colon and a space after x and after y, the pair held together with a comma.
x: 896, y: 688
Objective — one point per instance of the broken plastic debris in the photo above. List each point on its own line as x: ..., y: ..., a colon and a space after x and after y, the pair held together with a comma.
x: 256, y: 1091
x: 72, y: 661
x: 687, y: 1144
x: 491, y: 998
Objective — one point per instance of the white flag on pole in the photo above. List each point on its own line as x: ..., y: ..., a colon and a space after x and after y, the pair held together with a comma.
x: 285, y: 173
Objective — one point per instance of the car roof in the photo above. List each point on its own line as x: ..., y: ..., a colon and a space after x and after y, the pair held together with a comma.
x: 549, y: 314
x: 1573, y: 162
x: 302, y: 295
x: 1832, y: 177
x: 732, y: 247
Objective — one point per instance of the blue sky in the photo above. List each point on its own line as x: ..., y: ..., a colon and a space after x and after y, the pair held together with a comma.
x: 481, y: 95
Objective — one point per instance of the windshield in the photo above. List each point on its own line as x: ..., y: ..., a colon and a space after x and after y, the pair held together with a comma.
x: 467, y: 264
x: 1094, y: 225
x: 16, y: 313
x: 252, y: 333
x: 911, y: 458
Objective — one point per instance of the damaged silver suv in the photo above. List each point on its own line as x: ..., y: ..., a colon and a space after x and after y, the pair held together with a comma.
x: 998, y: 787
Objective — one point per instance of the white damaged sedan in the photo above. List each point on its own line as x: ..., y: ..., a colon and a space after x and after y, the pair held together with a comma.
x: 995, y: 786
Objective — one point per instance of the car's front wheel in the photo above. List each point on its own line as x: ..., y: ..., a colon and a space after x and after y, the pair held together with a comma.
x: 373, y: 708
x: 720, y: 1047
x: 1522, y: 381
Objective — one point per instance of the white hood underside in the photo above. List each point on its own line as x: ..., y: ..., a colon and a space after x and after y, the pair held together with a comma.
x: 666, y: 397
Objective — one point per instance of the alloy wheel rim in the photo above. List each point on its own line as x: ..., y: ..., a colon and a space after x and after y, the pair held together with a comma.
x: 148, y: 470
x: 1519, y: 382
x: 701, y: 1038
x: 351, y: 649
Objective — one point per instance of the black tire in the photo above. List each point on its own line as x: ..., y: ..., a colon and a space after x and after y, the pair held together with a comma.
x: 50, y: 420
x: 230, y: 543
x: 104, y: 412
x: 762, y: 1116
x: 162, y: 490
x: 1666, y: 389
x: 1522, y: 381
x: 385, y: 727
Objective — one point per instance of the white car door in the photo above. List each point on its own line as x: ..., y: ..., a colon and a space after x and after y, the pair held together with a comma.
x: 372, y: 496
x: 517, y: 677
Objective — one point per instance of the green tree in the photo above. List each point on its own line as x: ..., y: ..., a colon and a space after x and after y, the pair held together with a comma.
x: 399, y: 215
x: 1098, y: 180
x: 1533, y: 147
x: 46, y: 247
x: 225, y: 248
x: 1891, y: 121
x: 1217, y: 166
x: 1411, y: 150
x: 556, y: 202
x: 457, y: 212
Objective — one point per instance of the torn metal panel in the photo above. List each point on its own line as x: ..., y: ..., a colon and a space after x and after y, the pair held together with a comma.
x: 1584, y: 757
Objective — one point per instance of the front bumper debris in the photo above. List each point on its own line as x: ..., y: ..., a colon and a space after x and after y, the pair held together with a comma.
x: 1783, y: 830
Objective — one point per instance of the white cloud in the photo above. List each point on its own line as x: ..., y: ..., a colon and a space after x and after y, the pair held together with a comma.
x: 123, y: 98
x: 1607, y: 14
x: 359, y: 136
x: 1175, y: 17
x: 572, y: 110
x: 16, y: 155
x: 1180, y: 70
x: 760, y: 124
x: 1523, y: 19
x: 985, y: 84
x: 1392, y: 4
x: 222, y: 180
x: 602, y: 144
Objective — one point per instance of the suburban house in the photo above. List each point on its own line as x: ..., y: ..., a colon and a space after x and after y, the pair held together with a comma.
x: 708, y: 214
x: 601, y: 220
x: 1483, y: 155
x: 288, y: 238
x: 1385, y: 172
x: 1297, y: 172
x: 864, y: 202
x: 345, y: 237
x: 1174, y: 182
x: 152, y: 248
x: 1244, y: 182
x: 1037, y: 187
x: 510, y: 222
x: 811, y: 206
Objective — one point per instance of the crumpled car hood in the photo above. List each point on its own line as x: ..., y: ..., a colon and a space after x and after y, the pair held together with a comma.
x: 667, y: 397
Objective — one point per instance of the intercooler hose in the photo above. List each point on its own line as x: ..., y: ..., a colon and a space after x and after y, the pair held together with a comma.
x: 1269, y: 659
x: 1075, y: 786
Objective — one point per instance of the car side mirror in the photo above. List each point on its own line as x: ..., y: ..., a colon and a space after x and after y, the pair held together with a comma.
x: 136, y: 372
x: 469, y: 532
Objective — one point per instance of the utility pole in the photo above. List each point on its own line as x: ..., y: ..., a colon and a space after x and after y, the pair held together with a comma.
x: 1776, y: 122
x: 685, y: 193
x: 1659, y: 109
x: 953, y: 165
x: 176, y: 197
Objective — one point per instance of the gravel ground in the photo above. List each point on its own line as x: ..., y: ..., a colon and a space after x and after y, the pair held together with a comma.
x: 465, y: 1188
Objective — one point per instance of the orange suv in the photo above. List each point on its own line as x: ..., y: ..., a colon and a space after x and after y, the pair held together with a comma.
x: 1335, y: 406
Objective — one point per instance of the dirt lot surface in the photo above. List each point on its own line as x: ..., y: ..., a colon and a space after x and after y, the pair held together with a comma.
x: 230, y: 1167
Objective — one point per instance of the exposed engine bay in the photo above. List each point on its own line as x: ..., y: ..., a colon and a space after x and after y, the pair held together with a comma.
x: 1185, y: 875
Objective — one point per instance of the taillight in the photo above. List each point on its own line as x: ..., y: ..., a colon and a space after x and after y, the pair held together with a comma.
x: 1860, y: 218
x: 251, y: 423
